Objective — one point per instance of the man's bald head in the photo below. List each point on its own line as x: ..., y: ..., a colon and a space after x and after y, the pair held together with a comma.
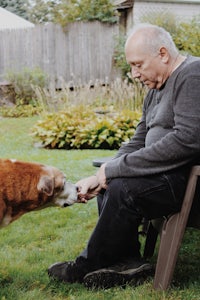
x: 151, y: 54
x: 150, y: 39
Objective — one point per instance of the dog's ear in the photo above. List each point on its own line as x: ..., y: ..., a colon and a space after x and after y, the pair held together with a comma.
x: 46, y: 185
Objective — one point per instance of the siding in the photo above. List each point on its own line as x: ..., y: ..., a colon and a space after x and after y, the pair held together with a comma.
x: 184, y: 10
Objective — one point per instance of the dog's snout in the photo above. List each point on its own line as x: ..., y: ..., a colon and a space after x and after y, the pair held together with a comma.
x: 66, y: 205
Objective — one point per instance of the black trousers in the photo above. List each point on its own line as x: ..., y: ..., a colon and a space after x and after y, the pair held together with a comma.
x: 122, y: 206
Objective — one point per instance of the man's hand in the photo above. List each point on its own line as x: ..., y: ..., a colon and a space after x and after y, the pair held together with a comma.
x: 88, y: 188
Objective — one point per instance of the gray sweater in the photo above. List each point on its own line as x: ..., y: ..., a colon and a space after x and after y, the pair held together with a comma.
x: 168, y: 134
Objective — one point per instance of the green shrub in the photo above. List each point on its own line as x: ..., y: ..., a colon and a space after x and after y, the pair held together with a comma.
x: 19, y: 111
x: 187, y: 38
x: 79, y: 128
x: 24, y: 82
x: 119, y: 55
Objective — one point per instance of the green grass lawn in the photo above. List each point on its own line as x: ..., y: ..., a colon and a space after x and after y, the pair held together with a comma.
x: 29, y: 245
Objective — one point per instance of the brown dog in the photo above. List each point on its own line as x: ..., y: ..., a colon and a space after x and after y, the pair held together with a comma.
x: 26, y: 186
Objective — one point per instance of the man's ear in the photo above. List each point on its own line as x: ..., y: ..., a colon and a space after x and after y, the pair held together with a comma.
x: 164, y: 55
x: 46, y: 185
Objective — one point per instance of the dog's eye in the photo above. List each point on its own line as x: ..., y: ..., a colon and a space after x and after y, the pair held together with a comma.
x: 63, y: 187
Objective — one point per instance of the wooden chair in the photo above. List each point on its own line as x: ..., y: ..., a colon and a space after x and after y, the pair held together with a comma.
x: 172, y: 232
x: 171, y: 229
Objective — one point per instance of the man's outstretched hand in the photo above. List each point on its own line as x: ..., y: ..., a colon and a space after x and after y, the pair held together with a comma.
x: 89, y: 187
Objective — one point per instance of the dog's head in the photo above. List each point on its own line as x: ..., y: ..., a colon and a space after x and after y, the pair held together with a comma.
x: 27, y: 186
x: 53, y: 183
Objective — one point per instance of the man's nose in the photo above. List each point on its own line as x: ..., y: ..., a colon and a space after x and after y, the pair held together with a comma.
x: 135, y: 73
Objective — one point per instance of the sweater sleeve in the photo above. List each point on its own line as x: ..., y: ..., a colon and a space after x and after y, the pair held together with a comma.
x: 178, y: 147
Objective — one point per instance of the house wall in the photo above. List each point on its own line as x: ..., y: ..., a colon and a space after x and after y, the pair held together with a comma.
x: 184, y: 10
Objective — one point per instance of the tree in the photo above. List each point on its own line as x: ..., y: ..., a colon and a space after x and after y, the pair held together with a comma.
x: 41, y: 11
x: 17, y: 7
x: 85, y: 10
x: 63, y: 11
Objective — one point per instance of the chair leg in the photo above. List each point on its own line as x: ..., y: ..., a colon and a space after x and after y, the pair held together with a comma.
x: 171, y: 237
x: 167, y: 254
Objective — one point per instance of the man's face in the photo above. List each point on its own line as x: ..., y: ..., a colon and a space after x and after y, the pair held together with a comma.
x: 148, y: 68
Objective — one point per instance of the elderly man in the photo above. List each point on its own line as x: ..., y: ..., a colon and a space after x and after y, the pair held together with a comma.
x: 148, y: 175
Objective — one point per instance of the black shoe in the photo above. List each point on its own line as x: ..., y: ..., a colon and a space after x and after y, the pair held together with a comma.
x: 71, y: 271
x: 134, y: 272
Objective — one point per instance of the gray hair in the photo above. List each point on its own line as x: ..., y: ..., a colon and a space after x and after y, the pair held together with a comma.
x: 154, y: 38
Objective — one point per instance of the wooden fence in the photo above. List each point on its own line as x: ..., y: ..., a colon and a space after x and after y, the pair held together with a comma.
x: 80, y: 53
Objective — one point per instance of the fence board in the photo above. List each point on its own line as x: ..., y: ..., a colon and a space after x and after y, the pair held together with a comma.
x: 82, y: 52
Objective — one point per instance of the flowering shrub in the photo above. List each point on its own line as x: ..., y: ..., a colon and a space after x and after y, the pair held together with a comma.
x: 79, y: 128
